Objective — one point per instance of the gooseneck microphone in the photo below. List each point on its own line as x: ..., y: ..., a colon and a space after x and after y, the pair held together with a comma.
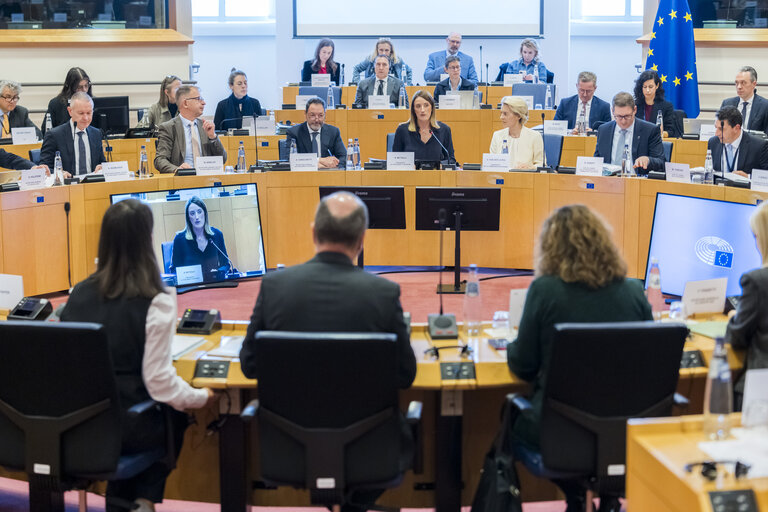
x: 448, y: 155
x: 232, y: 268
x: 481, y: 64
x: 544, y: 167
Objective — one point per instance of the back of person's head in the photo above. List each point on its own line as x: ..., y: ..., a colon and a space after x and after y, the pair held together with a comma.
x: 758, y: 221
x: 166, y: 85
x: 341, y: 218
x: 517, y: 105
x: 72, y: 82
x: 646, y: 75
x: 731, y: 115
x: 575, y: 245
x: 185, y: 91
x: 127, y: 265
x: 623, y: 99
x: 331, y: 64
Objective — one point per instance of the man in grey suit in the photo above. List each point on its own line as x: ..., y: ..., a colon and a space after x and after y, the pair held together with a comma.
x: 185, y: 137
x: 315, y: 136
x: 753, y: 107
x: 381, y: 84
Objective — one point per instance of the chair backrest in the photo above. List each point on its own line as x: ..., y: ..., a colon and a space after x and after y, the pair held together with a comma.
x: 550, y: 77
x: 34, y: 156
x: 336, y: 380
x: 390, y: 142
x: 59, y: 405
x: 538, y: 91
x: 282, y: 149
x: 167, y: 248
x: 600, y: 375
x: 321, y: 92
x: 553, y: 145
x: 667, y: 145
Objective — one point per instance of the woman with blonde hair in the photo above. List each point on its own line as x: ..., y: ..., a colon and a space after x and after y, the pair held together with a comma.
x: 397, y: 67
x: 524, y: 146
x: 526, y: 64
x: 165, y: 109
x: 423, y: 134
x: 580, y: 277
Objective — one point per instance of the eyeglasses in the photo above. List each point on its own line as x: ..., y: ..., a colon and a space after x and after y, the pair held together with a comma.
x: 10, y: 98
x: 624, y: 118
x: 586, y: 91
x: 454, y: 68
x: 84, y: 87
x: 197, y: 98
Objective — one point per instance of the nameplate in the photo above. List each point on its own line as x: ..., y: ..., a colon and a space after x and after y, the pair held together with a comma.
x: 321, y: 79
x: 759, y: 180
x: 301, y: 100
x: 402, y: 161
x: 303, y: 162
x: 378, y: 102
x: 678, y: 173
x: 589, y: 165
x: 32, y: 179
x: 556, y: 128
x: 145, y: 21
x: 60, y: 17
x: 512, y: 78
x: 26, y: 135
x: 495, y: 162
x: 209, y: 165
x: 450, y: 102
x: 263, y: 126
x: 189, y: 275
x: 116, y: 171
x: 708, y: 295
x: 706, y: 131
x: 528, y: 101
x: 755, y: 397
x: 11, y: 290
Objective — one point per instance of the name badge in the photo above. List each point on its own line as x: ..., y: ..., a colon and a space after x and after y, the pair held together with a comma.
x: 26, y: 135
x: 556, y: 128
x: 400, y: 161
x: 677, y: 173
x: 209, y: 165
x: 759, y: 180
x: 301, y: 100
x: 495, y: 162
x: 321, y: 79
x: 512, y: 78
x: 32, y: 179
x: 450, y: 102
x: 589, y: 165
x: 707, y: 296
x: 11, y: 290
x: 116, y: 171
x: 303, y: 162
x: 706, y: 131
x: 378, y: 102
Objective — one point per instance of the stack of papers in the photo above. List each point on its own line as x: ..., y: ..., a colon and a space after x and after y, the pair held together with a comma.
x: 229, y: 347
x: 749, y: 446
x: 183, y: 344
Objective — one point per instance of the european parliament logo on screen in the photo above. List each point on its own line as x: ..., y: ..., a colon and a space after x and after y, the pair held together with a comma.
x: 714, y: 251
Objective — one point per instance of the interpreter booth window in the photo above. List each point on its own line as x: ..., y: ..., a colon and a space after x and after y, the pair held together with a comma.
x: 729, y: 13
x: 57, y: 14
x: 233, y: 10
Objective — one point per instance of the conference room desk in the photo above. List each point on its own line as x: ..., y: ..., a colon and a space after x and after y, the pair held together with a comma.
x: 658, y: 450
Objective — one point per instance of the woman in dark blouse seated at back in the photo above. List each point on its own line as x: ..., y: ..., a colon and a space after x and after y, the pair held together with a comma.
x: 230, y: 111
x: 580, y: 277
x: 77, y: 80
x: 200, y: 244
x: 649, y: 97
x: 421, y: 134
x: 322, y: 63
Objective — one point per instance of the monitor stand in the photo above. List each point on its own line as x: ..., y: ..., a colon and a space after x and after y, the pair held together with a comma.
x: 205, y: 286
x: 457, y: 287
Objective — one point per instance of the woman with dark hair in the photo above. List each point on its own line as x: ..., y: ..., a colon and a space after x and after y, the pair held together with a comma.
x: 200, y: 244
x: 127, y: 297
x: 649, y: 99
x: 580, y: 277
x: 422, y: 134
x: 77, y: 81
x: 230, y: 111
x: 322, y: 63
x: 165, y: 109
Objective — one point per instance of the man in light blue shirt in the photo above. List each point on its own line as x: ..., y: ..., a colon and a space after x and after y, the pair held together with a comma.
x: 436, y: 61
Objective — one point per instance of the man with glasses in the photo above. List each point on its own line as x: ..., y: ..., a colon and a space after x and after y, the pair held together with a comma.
x: 733, y: 149
x: 186, y: 137
x: 11, y: 114
x: 753, y: 107
x: 314, y: 136
x: 642, y: 137
x: 454, y: 82
x: 584, y: 103
x: 437, y: 61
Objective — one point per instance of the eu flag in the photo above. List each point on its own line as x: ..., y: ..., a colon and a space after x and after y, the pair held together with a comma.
x: 672, y: 54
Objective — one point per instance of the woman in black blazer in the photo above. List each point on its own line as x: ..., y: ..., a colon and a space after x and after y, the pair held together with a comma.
x: 230, y: 111
x: 428, y: 139
x: 649, y: 99
x: 322, y: 63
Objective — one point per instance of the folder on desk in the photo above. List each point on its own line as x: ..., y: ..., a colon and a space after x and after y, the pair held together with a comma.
x: 183, y: 344
x: 712, y: 329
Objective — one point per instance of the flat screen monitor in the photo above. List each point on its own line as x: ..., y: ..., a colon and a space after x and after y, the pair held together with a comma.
x: 479, y: 208
x: 229, y: 220
x: 696, y: 239
x: 116, y: 111
x: 386, y: 205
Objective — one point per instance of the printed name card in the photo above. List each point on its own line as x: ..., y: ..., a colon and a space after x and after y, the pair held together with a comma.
x: 116, y: 171
x: 263, y: 126
x: 302, y: 99
x: 26, y: 135
x: 303, y: 162
x: 145, y: 21
x: 759, y: 180
x: 677, y: 173
x: 32, y: 179
x: 495, y: 162
x: 189, y: 274
x: 706, y: 131
x: 450, y: 101
x: 321, y: 79
x: 512, y: 78
x: 209, y: 165
x: 706, y: 296
x: 556, y: 128
x: 400, y: 161
x: 589, y: 165
x: 11, y: 290
x: 378, y: 102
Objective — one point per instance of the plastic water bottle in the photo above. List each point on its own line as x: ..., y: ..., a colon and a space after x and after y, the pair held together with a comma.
x: 653, y: 290
x: 342, y: 80
x: 476, y: 99
x: 330, y: 102
x: 58, y: 170
x: 241, y: 165
x: 473, y: 305
x: 272, y: 117
x: 660, y: 123
x: 548, y: 100
x: 504, y: 147
x: 709, y: 170
x: 143, y: 164
x: 356, y: 155
x: 350, y: 155
x: 718, y: 395
x: 581, y: 125
x: 48, y: 122
x: 401, y: 101
x: 535, y: 73
x: 145, y: 115
x: 627, y: 168
x: 293, y: 149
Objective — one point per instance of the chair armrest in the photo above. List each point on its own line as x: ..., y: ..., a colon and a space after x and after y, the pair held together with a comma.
x: 519, y: 402
x: 413, y: 419
x: 141, y: 408
x: 250, y: 411
x: 680, y: 401
x: 413, y: 416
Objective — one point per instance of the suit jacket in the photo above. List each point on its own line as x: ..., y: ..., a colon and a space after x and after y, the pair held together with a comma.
x: 19, y: 118
x: 307, y: 72
x: 61, y: 139
x: 436, y: 66
x: 444, y: 86
x: 758, y: 117
x: 229, y: 115
x: 15, y: 162
x: 172, y: 146
x: 366, y: 87
x: 330, y: 140
x: 646, y: 142
x: 567, y: 110
x: 397, y: 69
x: 432, y: 151
x: 667, y: 114
x: 753, y: 153
x: 329, y: 294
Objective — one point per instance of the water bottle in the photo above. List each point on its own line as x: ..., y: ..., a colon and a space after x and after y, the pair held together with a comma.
x: 356, y: 155
x: 653, y: 291
x: 709, y: 170
x: 293, y: 150
x: 581, y: 125
x: 473, y: 306
x: 143, y: 164
x: 535, y: 73
x: 504, y: 147
x: 548, y: 101
x: 718, y: 395
x: 272, y: 117
x: 660, y: 123
x: 330, y: 103
x: 627, y: 169
x: 58, y: 171
x: 48, y: 122
x: 342, y: 80
x: 350, y: 155
x: 476, y: 99
x: 145, y: 115
x: 401, y: 100
x: 241, y: 165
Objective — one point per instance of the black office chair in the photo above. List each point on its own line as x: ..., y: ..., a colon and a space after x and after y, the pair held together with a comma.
x: 600, y: 375
x: 60, y: 411
x: 550, y: 77
x: 283, y: 150
x: 322, y: 93
x: 390, y: 142
x: 34, y: 156
x: 332, y: 424
x: 553, y: 146
x: 667, y: 145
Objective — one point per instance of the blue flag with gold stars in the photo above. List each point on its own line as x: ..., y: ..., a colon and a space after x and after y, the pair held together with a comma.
x: 672, y: 54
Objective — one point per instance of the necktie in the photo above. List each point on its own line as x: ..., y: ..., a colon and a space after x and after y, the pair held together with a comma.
x: 82, y: 167
x: 729, y: 156
x: 194, y: 139
x: 314, y: 143
x: 619, y: 152
x: 744, y: 113
x: 6, y: 128
x: 380, y: 90
x: 584, y: 110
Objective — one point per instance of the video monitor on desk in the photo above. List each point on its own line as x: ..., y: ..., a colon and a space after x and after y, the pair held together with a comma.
x: 696, y: 239
x: 206, y: 237
x: 116, y: 113
x: 386, y: 205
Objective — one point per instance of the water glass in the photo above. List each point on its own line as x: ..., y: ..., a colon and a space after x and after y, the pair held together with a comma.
x: 677, y: 311
x: 501, y: 323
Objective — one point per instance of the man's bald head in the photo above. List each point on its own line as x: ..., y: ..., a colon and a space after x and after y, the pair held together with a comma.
x: 341, y: 218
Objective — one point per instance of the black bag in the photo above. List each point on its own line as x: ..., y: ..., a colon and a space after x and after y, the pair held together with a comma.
x: 499, y: 486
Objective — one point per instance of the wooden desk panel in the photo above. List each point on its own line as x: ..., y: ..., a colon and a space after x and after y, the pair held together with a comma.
x: 691, y: 152
x: 372, y: 127
x: 574, y: 146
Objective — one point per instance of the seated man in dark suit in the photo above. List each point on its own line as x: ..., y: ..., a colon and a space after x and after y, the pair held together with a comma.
x: 585, y: 102
x: 77, y: 141
x: 743, y: 152
x: 11, y: 114
x: 185, y: 137
x: 753, y: 107
x: 314, y: 136
x: 454, y: 82
x: 331, y: 294
x: 381, y: 84
x: 641, y: 136
x: 17, y: 163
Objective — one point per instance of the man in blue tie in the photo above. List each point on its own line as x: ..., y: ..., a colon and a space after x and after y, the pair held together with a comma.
x: 753, y: 107
x: 743, y: 152
x: 315, y: 136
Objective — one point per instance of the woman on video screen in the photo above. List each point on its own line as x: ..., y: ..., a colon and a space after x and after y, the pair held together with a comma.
x: 200, y: 244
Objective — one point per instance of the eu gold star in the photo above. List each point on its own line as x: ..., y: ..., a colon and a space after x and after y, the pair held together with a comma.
x: 672, y: 14
x: 653, y: 35
x: 663, y: 79
x: 687, y: 16
x: 661, y: 20
x: 689, y: 76
x: 655, y: 67
x: 650, y: 52
x: 676, y: 81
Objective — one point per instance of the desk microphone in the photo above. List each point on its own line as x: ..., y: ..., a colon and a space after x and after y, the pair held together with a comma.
x: 103, y: 129
x: 232, y: 268
x: 544, y: 167
x: 442, y: 327
x: 448, y: 155
x: 256, y: 139
x: 487, y: 81
x: 481, y: 64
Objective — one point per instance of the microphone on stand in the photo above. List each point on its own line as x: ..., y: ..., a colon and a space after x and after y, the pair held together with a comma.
x: 448, y: 155
x: 232, y: 268
x: 341, y: 76
x: 543, y: 167
x: 481, y: 64
x: 487, y: 81
x: 256, y: 140
x: 103, y: 128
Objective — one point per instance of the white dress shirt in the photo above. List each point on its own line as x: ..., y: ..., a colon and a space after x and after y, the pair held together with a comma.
x: 319, y: 135
x: 580, y: 106
x: 376, y: 86
x: 750, y: 101
x: 724, y: 157
x: 75, y: 131
x: 627, y: 141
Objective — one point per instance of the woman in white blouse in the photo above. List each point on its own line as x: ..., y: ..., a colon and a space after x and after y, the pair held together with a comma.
x: 524, y: 146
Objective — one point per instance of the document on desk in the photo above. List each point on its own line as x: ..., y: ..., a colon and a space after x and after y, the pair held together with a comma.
x: 230, y: 347
x: 183, y: 344
x: 749, y: 446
